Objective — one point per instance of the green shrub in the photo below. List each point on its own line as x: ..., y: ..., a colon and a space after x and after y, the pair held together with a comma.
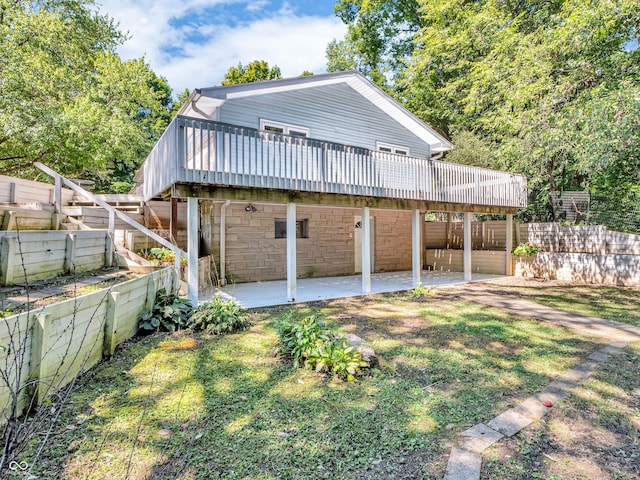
x: 525, y: 250
x: 169, y: 313
x: 219, y: 317
x: 310, y: 344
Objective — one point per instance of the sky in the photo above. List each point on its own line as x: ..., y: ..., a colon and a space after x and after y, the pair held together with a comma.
x: 192, y: 43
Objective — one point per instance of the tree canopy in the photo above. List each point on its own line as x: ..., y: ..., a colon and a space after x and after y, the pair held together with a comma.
x: 256, y: 71
x: 548, y: 89
x: 66, y: 97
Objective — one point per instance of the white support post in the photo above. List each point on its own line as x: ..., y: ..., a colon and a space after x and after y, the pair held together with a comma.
x: 223, y: 243
x: 291, y: 252
x: 193, y: 239
x: 509, y: 243
x: 366, y: 250
x: 416, y: 246
x: 57, y: 203
x: 467, y: 246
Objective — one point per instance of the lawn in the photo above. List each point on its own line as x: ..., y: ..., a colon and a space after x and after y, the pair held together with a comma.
x: 612, y: 303
x: 190, y: 406
x: 593, y: 435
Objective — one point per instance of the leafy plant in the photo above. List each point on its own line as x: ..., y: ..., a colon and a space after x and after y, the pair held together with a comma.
x: 160, y: 256
x: 525, y: 250
x: 340, y: 358
x: 219, y: 316
x: 421, y: 291
x: 310, y: 344
x: 169, y: 313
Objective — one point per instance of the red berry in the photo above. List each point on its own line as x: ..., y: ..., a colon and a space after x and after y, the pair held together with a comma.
x: 547, y: 404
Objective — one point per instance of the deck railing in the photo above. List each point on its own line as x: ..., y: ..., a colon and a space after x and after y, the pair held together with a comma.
x: 207, y: 152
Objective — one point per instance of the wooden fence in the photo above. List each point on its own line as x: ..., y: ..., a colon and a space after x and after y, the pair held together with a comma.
x: 55, y: 343
x: 552, y: 237
x: 489, y: 235
x: 482, y: 261
x: 38, y: 255
x: 18, y: 190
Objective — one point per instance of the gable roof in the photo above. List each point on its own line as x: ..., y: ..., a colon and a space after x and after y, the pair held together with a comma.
x: 203, y: 102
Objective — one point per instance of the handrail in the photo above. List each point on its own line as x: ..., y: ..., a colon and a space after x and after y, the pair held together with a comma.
x: 197, y: 151
x: 179, y: 252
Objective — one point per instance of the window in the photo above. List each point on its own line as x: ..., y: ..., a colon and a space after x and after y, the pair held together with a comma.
x: 278, y: 127
x: 390, y: 148
x: 302, y: 228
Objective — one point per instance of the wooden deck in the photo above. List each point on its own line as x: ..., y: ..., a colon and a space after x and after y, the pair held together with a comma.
x: 208, y: 153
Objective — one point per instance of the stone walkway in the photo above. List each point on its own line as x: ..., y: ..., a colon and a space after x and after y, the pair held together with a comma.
x: 465, y: 461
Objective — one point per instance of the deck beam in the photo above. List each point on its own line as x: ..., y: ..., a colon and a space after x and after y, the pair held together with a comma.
x: 264, y: 195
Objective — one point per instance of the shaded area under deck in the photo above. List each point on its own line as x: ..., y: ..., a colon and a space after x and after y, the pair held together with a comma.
x: 265, y: 294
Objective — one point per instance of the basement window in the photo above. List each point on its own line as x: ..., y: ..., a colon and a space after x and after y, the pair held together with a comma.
x: 390, y: 148
x: 287, y: 129
x: 302, y: 228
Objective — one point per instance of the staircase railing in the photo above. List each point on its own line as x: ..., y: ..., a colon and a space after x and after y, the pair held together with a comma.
x: 113, y: 213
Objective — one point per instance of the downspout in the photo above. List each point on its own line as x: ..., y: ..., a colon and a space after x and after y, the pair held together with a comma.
x: 223, y: 242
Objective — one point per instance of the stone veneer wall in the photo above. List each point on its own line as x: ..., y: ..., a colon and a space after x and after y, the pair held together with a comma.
x: 254, y: 254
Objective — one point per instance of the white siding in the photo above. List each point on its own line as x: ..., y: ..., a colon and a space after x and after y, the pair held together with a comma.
x: 333, y: 113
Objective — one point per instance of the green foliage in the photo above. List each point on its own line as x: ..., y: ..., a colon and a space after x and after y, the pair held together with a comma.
x: 421, y: 291
x: 169, y: 313
x: 219, y: 317
x: 310, y: 344
x: 66, y: 97
x: 550, y: 92
x: 160, y: 256
x: 525, y: 250
x: 255, y: 71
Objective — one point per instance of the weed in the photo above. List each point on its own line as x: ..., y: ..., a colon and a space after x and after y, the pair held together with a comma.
x: 421, y: 291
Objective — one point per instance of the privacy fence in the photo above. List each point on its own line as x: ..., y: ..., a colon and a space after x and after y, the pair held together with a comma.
x: 589, y: 254
x: 582, y: 254
x: 43, y: 350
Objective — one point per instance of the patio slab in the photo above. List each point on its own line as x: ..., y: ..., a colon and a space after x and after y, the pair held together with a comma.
x: 266, y: 294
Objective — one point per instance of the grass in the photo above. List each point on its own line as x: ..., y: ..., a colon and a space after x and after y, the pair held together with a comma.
x: 611, y: 303
x: 188, y: 406
x: 593, y: 435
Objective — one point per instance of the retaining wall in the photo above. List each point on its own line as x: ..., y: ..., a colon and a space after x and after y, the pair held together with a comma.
x: 55, y: 343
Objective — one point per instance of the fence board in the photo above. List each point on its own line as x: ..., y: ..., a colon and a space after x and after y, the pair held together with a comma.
x: 482, y: 261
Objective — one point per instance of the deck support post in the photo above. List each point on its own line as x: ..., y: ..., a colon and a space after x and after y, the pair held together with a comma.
x: 416, y: 246
x: 366, y: 250
x: 509, y: 244
x: 223, y: 243
x: 467, y: 246
x: 193, y: 237
x: 291, y: 252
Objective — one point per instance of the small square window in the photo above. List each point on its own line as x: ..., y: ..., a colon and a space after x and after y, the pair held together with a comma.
x: 302, y: 228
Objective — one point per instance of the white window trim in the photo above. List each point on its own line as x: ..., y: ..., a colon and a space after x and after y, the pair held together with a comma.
x: 393, y: 148
x: 286, y: 127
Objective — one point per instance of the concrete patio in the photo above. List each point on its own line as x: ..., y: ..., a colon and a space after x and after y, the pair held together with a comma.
x: 265, y: 294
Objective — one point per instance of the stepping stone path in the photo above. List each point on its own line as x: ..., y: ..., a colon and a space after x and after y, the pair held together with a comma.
x: 465, y: 460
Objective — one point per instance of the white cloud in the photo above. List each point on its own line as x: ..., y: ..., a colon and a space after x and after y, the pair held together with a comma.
x: 292, y: 41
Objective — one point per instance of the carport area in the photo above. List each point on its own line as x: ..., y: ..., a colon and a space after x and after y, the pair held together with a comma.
x: 264, y: 294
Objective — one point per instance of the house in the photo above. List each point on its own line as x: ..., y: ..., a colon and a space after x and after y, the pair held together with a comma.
x: 312, y: 176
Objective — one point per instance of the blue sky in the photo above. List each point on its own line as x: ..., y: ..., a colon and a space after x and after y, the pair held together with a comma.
x: 193, y: 43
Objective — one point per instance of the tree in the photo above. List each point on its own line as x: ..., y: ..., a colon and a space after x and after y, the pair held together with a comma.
x: 66, y: 98
x: 547, y: 89
x: 255, y: 71
x: 379, y: 39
